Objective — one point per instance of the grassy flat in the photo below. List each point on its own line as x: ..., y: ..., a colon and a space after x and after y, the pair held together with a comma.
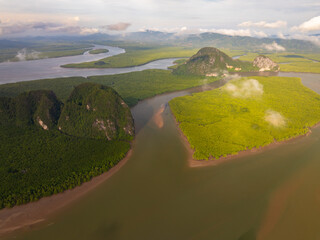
x: 134, y: 57
x: 308, y: 67
x: 246, y: 114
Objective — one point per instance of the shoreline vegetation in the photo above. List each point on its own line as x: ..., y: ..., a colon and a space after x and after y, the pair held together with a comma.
x: 245, y: 123
x: 24, y: 216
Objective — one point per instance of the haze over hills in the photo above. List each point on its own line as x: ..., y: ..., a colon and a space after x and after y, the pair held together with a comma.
x: 188, y: 40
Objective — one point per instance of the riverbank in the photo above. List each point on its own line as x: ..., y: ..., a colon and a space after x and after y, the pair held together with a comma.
x: 26, y: 216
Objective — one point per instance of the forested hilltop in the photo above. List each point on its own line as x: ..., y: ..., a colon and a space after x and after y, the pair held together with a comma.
x: 47, y: 146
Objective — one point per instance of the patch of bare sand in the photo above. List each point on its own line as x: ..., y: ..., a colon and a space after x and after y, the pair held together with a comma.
x: 24, y: 216
x: 158, y: 118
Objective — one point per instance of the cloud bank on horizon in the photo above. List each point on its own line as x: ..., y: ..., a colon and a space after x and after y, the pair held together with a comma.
x: 299, y: 19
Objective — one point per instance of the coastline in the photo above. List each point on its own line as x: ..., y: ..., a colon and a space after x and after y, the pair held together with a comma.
x: 27, y: 215
x: 214, y: 162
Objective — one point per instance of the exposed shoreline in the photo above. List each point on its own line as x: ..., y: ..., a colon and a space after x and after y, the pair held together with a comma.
x: 214, y: 162
x: 24, y: 216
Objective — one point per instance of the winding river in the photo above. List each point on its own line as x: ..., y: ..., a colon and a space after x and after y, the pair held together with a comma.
x: 274, y: 194
x: 50, y: 68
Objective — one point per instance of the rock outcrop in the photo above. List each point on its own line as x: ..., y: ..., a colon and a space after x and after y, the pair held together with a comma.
x: 265, y: 64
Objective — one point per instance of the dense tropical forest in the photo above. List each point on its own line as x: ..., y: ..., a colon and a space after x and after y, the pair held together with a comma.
x: 246, y: 114
x: 47, y: 146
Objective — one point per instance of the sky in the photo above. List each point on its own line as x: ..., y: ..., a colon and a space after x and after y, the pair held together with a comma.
x: 257, y: 18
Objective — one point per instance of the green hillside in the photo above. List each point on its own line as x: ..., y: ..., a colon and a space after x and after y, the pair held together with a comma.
x: 96, y: 111
x: 209, y: 61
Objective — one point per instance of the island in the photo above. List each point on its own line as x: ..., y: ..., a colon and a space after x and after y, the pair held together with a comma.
x: 246, y: 114
x: 98, y: 51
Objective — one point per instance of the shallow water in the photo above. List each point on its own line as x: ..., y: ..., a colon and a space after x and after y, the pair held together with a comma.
x: 274, y: 194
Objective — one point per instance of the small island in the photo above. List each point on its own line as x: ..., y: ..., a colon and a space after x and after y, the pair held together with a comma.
x: 98, y: 51
x: 244, y: 114
x: 48, y: 146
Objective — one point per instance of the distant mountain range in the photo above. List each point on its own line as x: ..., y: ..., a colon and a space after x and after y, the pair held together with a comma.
x: 163, y: 38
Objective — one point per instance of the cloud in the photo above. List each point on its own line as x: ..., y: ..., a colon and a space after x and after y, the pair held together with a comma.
x: 230, y: 32
x: 273, y: 47
x: 260, y: 34
x: 236, y: 32
x: 274, y: 118
x: 281, y: 35
x: 44, y: 27
x: 312, y: 25
x: 76, y: 18
x: 314, y: 39
x: 121, y: 26
x: 263, y: 24
x: 245, y: 89
x: 23, y: 55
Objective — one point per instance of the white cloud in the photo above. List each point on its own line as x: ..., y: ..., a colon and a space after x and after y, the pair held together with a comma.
x: 312, y: 25
x: 313, y: 39
x: 183, y: 29
x: 44, y: 27
x: 237, y: 32
x: 245, y: 89
x: 273, y: 47
x: 280, y: 35
x: 274, y: 118
x: 260, y: 34
x: 230, y: 32
x: 263, y: 24
x: 76, y: 18
x: 24, y: 54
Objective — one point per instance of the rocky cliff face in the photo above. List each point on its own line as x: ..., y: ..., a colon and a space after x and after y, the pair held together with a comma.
x: 265, y: 64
